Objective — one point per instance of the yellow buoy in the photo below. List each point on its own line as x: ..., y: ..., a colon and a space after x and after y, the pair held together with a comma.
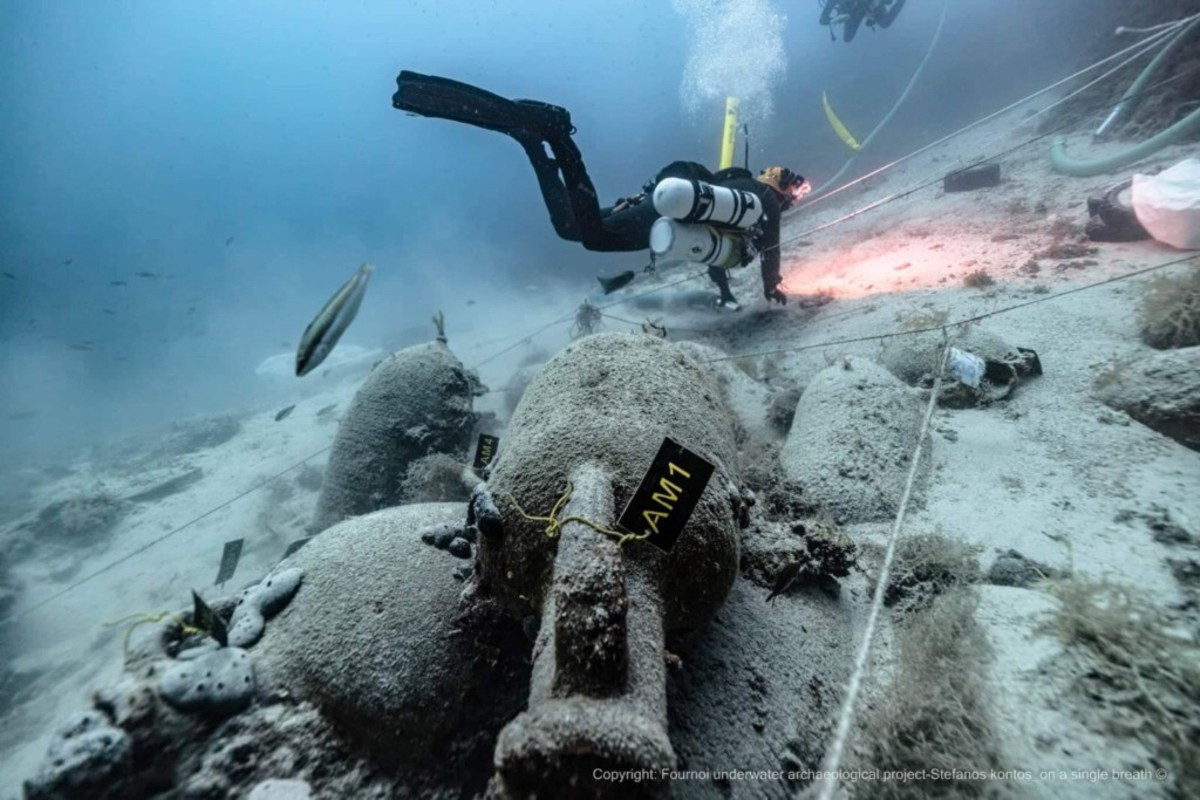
x: 731, y: 118
x: 838, y: 127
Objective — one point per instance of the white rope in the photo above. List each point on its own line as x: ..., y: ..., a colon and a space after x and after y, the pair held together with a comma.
x: 1150, y: 43
x: 826, y: 195
x: 833, y: 758
x: 1122, y: 29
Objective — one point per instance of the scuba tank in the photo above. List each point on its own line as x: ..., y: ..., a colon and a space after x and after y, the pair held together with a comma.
x: 697, y: 201
x: 672, y: 242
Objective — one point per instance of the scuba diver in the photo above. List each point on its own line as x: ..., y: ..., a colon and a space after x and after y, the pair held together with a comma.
x: 851, y: 14
x: 685, y: 214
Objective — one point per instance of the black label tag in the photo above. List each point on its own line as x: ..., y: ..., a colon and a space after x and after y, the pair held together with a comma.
x: 294, y: 546
x: 667, y: 495
x: 229, y: 560
x: 207, y: 620
x: 485, y: 450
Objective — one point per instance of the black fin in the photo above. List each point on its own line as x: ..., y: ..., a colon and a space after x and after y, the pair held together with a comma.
x: 610, y: 285
x: 433, y: 96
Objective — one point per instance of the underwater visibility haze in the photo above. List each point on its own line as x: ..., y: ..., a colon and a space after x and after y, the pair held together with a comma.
x: 484, y: 525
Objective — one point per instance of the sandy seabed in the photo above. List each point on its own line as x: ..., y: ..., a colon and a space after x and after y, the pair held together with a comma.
x: 1049, y: 472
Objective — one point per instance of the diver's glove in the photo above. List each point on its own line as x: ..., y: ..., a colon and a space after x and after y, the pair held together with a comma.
x: 775, y: 295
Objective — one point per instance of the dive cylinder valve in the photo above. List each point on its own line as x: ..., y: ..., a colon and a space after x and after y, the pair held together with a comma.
x: 673, y: 242
x: 697, y: 201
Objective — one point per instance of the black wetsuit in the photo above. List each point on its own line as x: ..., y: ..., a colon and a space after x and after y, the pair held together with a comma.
x: 577, y: 215
x: 570, y: 197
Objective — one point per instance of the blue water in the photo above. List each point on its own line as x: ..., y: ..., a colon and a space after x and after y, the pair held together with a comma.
x: 141, y: 136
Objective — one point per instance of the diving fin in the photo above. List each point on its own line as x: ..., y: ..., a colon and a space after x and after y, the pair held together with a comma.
x: 433, y: 96
x: 610, y: 285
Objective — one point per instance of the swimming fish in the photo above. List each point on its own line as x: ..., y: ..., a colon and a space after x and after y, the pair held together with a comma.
x: 10, y: 275
x: 118, y: 283
x: 326, y: 409
x: 229, y: 241
x: 283, y: 412
x: 146, y: 274
x: 110, y: 312
x: 327, y: 327
x: 81, y: 346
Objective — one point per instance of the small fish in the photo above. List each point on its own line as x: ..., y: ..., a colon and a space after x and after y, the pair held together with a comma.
x: 326, y: 409
x: 17, y: 415
x: 81, y: 346
x: 110, y: 312
x: 69, y: 261
x: 470, y: 303
x: 283, y: 412
x: 118, y: 283
x: 146, y: 274
x: 121, y: 358
x: 229, y: 241
x: 10, y: 276
x: 327, y: 327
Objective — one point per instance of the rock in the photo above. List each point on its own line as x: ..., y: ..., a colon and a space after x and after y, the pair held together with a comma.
x: 1013, y: 569
x: 440, y: 536
x: 460, y: 548
x: 259, y: 745
x: 415, y: 403
x: 809, y: 553
x: 379, y: 642
x: 913, y: 358
x: 435, y: 478
x: 852, y: 442
x: 261, y: 602
x: 281, y: 789
x: 219, y: 683
x: 782, y: 410
x: 86, y: 756
x: 1161, y: 391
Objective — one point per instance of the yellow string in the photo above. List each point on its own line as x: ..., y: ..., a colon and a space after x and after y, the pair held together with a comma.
x: 143, y: 617
x: 554, y: 525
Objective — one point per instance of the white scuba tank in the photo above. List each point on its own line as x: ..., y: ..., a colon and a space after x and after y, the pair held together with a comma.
x: 697, y: 201
x: 673, y: 242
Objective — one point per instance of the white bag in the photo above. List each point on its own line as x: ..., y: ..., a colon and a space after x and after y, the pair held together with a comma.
x: 1168, y: 204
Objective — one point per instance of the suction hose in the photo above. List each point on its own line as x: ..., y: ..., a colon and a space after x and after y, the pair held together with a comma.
x: 895, y: 106
x: 1099, y: 166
